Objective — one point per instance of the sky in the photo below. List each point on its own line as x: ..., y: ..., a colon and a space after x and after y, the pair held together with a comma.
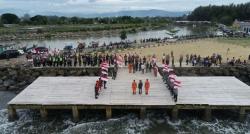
x: 104, y: 6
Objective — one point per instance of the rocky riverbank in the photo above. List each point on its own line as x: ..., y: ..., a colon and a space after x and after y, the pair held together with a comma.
x: 16, y: 79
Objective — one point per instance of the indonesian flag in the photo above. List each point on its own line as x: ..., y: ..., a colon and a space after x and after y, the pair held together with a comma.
x: 172, y: 76
x: 104, y: 68
x: 154, y: 60
x: 119, y: 60
x: 168, y: 70
x: 176, y: 87
x: 104, y: 77
x: 105, y: 64
x: 104, y: 72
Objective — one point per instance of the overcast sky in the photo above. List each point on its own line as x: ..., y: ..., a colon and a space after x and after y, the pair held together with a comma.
x: 101, y: 6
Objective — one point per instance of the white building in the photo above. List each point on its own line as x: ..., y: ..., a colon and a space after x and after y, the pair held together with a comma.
x: 242, y: 25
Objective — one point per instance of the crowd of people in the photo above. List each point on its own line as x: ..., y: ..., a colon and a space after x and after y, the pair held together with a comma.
x: 58, y: 59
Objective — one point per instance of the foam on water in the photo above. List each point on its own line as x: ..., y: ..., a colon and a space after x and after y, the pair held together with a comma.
x: 155, y: 122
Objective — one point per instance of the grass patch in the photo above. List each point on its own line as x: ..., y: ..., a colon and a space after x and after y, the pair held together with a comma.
x: 245, y: 42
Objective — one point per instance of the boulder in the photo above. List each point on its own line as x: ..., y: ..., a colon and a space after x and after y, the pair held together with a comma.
x: 1, y: 82
x: 22, y: 84
x: 3, y: 88
x: 8, y: 83
x: 12, y: 88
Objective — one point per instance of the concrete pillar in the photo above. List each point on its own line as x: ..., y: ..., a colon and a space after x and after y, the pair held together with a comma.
x: 142, y: 113
x: 108, y: 112
x: 242, y: 114
x: 174, y: 114
x: 207, y: 114
x: 75, y: 113
x: 44, y: 113
x: 12, y: 113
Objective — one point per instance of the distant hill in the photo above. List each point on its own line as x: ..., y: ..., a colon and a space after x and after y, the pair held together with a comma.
x: 140, y: 13
x: 133, y: 13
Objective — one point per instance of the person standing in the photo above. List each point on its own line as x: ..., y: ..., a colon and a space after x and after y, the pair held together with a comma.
x: 140, y: 87
x: 134, y: 86
x: 96, y: 89
x: 180, y: 60
x: 187, y: 59
x: 143, y: 68
x: 147, y: 86
x: 172, y: 61
x: 175, y: 93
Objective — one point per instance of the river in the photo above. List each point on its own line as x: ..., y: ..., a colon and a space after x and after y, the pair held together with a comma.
x: 159, y: 33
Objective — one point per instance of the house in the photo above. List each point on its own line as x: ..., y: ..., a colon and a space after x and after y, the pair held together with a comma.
x: 244, y: 26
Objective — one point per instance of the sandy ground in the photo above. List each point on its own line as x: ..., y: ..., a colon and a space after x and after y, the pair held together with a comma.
x: 204, y: 47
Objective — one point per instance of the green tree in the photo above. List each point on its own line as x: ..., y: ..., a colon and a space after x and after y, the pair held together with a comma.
x: 123, y: 35
x: 39, y: 20
x: 1, y: 24
x: 9, y: 18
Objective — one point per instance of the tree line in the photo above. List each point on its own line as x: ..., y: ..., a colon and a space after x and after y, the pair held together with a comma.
x: 9, y: 18
x: 221, y: 14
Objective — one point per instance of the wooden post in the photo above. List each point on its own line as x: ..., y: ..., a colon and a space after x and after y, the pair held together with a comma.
x: 108, y: 112
x: 242, y: 114
x: 174, y: 114
x: 142, y: 112
x: 11, y: 113
x: 44, y: 113
x: 75, y: 113
x: 207, y: 114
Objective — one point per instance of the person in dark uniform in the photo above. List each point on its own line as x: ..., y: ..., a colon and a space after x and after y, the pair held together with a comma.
x: 140, y: 87
x: 96, y: 89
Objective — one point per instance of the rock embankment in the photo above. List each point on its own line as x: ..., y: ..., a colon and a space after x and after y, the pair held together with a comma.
x: 16, y: 79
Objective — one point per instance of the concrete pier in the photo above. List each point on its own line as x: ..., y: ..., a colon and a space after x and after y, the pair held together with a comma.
x: 174, y: 113
x: 142, y: 113
x: 108, y: 112
x: 75, y: 113
x: 207, y: 114
x: 44, y: 113
x: 76, y: 93
x: 242, y: 114
x: 12, y: 113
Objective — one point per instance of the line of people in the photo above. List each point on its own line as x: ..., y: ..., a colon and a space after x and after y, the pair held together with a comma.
x: 171, y: 81
x: 140, y: 86
x: 68, y: 60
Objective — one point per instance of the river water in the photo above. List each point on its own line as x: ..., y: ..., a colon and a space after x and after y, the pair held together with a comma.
x: 160, y: 33
x: 123, y: 122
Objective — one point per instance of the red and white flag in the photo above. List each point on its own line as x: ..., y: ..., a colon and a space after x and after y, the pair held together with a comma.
x: 177, y: 83
x: 104, y: 68
x: 105, y: 64
x: 104, y: 72
x: 172, y: 76
x: 104, y: 78
x: 119, y: 60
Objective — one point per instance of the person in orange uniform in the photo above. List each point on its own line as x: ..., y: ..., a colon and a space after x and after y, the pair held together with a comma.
x: 147, y: 86
x: 130, y: 67
x: 134, y: 86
